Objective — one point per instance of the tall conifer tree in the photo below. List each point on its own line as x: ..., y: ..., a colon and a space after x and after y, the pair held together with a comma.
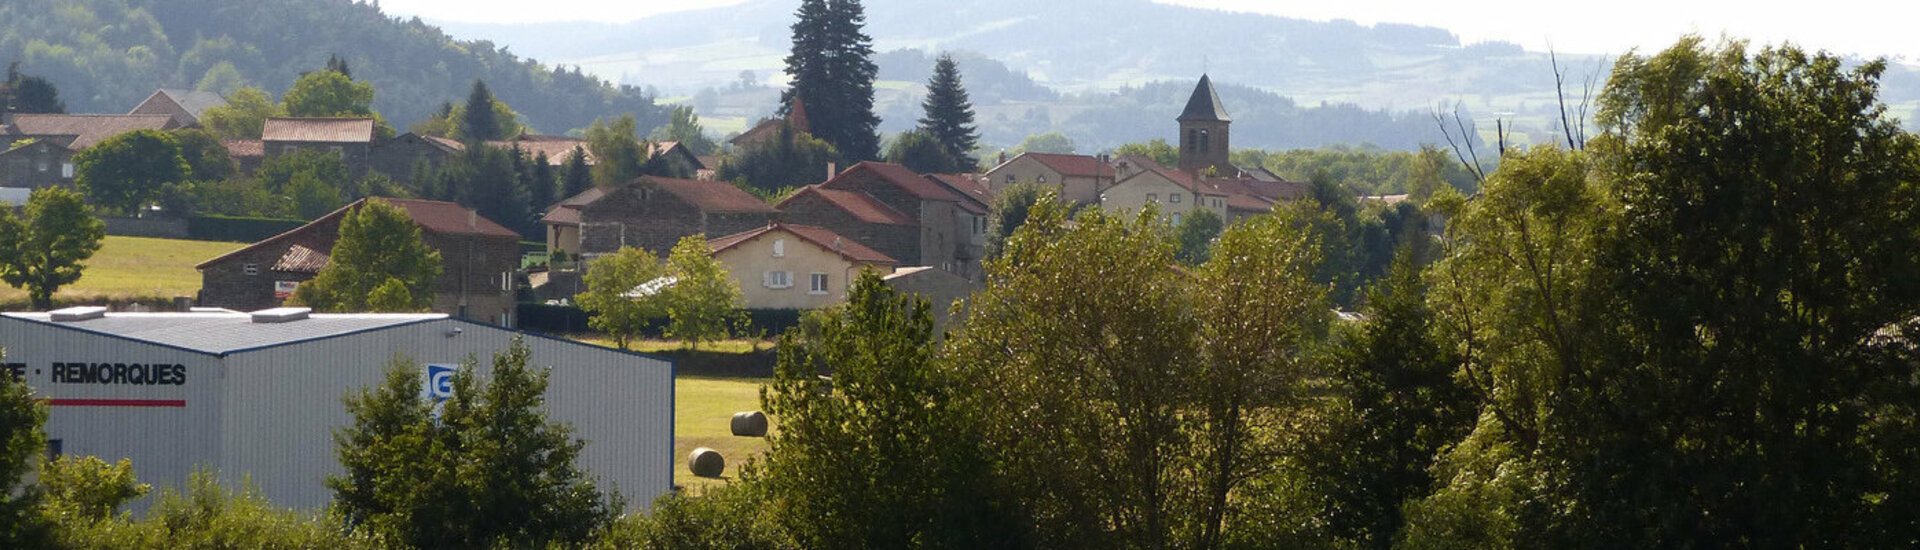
x: 832, y: 71
x: 478, y: 122
x: 949, y: 114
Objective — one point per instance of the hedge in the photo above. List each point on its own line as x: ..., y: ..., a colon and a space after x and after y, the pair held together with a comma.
x: 572, y: 320
x: 237, y: 229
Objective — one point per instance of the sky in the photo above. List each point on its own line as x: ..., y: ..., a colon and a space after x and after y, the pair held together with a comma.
x: 1865, y: 27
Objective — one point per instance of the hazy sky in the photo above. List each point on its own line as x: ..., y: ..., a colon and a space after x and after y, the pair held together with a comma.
x: 1869, y: 27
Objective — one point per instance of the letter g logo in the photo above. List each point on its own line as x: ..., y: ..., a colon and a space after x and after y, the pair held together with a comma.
x: 437, y: 383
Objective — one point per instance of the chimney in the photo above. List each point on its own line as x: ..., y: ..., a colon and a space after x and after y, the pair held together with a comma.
x: 838, y: 246
x: 473, y: 219
x: 832, y: 170
x: 1003, y: 157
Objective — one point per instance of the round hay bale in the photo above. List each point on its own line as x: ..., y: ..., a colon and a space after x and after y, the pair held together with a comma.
x: 750, y: 424
x: 706, y: 462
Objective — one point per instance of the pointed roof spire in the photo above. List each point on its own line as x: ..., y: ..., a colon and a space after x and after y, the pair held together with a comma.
x: 1205, y: 104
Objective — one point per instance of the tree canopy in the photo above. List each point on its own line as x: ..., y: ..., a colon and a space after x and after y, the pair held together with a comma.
x: 127, y: 171
x: 48, y: 249
x: 949, y: 115
x: 832, y: 72
x: 378, y: 243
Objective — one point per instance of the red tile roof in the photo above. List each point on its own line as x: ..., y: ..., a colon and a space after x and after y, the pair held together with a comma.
x: 827, y: 240
x: 1081, y: 166
x: 969, y: 187
x: 440, y: 217
x: 900, y: 176
x: 1182, y: 179
x: 324, y: 130
x: 86, y: 129
x: 712, y: 196
x: 854, y: 203
x: 241, y: 148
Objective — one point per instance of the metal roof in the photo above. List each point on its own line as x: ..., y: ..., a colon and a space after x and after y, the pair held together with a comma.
x: 219, y: 333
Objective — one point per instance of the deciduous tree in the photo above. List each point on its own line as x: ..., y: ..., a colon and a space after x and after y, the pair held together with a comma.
x: 244, y: 116
x: 704, y: 301
x: 378, y: 243
x: 615, y: 295
x: 46, y: 251
x: 127, y: 171
x: 921, y: 152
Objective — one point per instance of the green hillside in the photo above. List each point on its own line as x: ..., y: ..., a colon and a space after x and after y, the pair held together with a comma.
x: 107, y: 55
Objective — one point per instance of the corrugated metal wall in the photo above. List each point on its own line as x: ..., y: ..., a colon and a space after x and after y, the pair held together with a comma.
x: 286, y: 400
x: 166, y: 430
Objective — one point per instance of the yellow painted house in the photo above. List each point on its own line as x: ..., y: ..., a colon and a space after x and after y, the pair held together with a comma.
x: 789, y: 266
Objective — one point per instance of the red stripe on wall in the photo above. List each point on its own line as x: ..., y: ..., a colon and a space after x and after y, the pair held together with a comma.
x: 117, y: 402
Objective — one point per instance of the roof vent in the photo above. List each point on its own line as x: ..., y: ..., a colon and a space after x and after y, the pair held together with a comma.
x: 281, y: 314
x: 72, y: 314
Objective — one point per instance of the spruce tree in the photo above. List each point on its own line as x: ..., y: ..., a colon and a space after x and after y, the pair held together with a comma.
x: 478, y: 124
x: 832, y: 70
x: 541, y: 185
x: 949, y: 114
x: 576, y: 177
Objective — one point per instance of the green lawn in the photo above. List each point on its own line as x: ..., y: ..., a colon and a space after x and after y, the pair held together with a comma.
x: 136, y: 267
x: 702, y: 409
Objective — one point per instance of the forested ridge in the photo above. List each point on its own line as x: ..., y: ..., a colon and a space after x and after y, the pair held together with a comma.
x: 107, y: 55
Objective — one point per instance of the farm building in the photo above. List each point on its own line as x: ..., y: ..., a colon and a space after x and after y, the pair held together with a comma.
x: 257, y: 396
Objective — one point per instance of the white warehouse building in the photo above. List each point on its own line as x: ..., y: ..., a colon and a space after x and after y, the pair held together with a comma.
x: 257, y: 396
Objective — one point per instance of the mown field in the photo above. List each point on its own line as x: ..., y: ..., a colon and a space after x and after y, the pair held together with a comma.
x: 702, y: 409
x: 133, y: 268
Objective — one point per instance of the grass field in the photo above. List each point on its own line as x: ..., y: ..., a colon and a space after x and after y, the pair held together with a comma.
x: 702, y: 409
x: 736, y: 345
x: 136, y: 267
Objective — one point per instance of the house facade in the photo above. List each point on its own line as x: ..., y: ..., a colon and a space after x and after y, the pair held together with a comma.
x: 37, y: 163
x: 349, y: 138
x: 1177, y: 194
x: 787, y: 266
x: 877, y: 200
x: 478, y: 258
x: 397, y: 157
x: 1076, y: 178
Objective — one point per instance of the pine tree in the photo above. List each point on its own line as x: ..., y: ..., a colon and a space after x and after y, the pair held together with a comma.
x: 832, y: 70
x: 541, y: 185
x: 576, y: 177
x: 949, y: 114
x: 338, y: 65
x: 478, y: 123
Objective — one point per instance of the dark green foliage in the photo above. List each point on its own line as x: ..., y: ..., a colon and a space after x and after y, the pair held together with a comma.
x: 1399, y: 407
x: 207, y: 516
x: 490, y: 471
x: 207, y: 159
x: 231, y: 197
x: 377, y: 242
x: 949, y: 115
x: 110, y: 55
x: 575, y: 176
x: 1157, y: 149
x: 1009, y: 212
x: 831, y: 69
x: 478, y: 123
x: 127, y: 171
x: 1366, y: 169
x: 485, y: 180
x: 21, y: 440
x: 883, y: 455
x: 721, y: 517
x: 46, y: 251
x: 1195, y: 234
x: 683, y: 126
x: 236, y: 228
x: 338, y: 65
x: 790, y: 160
x: 618, y: 155
x: 27, y: 93
x: 921, y: 152
x: 542, y: 188
x: 280, y: 171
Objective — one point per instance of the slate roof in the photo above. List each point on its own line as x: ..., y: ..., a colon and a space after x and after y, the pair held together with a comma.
x: 826, y: 239
x: 854, y: 203
x: 224, y: 332
x: 1205, y: 105
x: 323, y: 130
x: 86, y: 129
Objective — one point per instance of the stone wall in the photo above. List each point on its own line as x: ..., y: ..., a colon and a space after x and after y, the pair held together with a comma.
x: 902, y: 243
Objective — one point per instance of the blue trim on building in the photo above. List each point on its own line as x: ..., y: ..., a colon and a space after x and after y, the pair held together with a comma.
x: 329, y: 336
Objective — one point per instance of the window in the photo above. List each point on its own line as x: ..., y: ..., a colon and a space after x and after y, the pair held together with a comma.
x: 1011, y: 178
x: 779, y: 248
x: 1203, y: 141
x: 1153, y: 197
x: 66, y: 170
x: 818, y: 283
x: 1176, y: 219
x: 778, y: 279
x: 1174, y: 198
x: 250, y: 269
x: 43, y: 165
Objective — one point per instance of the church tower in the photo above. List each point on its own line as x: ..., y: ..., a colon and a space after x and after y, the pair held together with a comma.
x: 1203, y: 132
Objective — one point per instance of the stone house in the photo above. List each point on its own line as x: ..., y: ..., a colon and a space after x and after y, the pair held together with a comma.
x: 1177, y: 193
x: 184, y: 106
x: 1076, y: 178
x: 36, y: 150
x: 787, y: 266
x: 970, y: 220
x: 932, y: 209
x: 478, y: 260
x: 651, y: 213
x: 397, y: 157
x: 349, y: 138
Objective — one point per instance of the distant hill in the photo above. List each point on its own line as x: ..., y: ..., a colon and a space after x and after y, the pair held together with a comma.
x: 1082, y: 46
x: 107, y: 55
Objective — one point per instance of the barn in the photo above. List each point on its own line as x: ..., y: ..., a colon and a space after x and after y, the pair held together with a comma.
x: 256, y: 395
